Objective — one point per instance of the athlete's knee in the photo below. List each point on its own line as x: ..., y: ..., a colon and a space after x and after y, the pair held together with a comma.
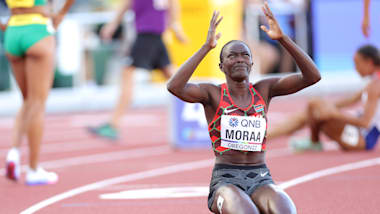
x: 34, y: 106
x: 272, y: 199
x: 229, y: 199
x: 315, y: 102
x: 281, y: 203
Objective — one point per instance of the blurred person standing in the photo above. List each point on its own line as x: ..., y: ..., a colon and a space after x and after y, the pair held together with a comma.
x: 30, y: 48
x: 273, y: 58
x: 148, y: 50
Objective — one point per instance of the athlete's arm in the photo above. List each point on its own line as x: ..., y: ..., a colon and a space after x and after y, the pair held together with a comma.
x: 349, y: 101
x: 294, y: 82
x: 57, y: 18
x: 109, y: 29
x: 373, y: 91
x: 366, y: 19
x: 178, y: 84
x: 174, y: 23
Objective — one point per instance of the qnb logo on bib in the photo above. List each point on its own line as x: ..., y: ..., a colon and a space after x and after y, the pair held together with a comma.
x: 242, y: 132
x: 234, y: 122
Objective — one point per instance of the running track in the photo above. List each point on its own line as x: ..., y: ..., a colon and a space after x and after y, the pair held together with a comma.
x: 142, y: 173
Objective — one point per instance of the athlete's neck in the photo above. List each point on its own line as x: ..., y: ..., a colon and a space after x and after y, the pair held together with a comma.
x: 238, y: 89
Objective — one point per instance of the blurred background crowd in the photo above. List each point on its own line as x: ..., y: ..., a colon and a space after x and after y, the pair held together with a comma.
x: 89, y: 67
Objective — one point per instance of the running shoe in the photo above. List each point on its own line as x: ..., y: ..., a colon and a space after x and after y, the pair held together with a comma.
x: 40, y: 177
x: 304, y: 144
x: 106, y: 131
x: 13, y: 165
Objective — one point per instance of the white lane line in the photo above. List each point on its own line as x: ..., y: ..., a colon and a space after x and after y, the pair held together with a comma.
x: 101, y: 158
x: 129, y: 177
x: 137, y: 176
x: 330, y: 171
x: 61, y: 147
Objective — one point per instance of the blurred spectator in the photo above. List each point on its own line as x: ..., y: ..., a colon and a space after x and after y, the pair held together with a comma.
x: 148, y: 51
x: 272, y: 57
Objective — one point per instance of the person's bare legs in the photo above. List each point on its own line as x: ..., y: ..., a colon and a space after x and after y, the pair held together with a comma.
x: 18, y: 68
x: 126, y: 92
x: 288, y: 126
x: 39, y: 76
x: 329, y: 126
x: 34, y: 75
x: 125, y: 97
x: 167, y: 71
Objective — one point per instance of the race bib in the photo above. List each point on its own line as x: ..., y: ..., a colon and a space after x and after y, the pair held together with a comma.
x: 350, y: 135
x: 242, y: 132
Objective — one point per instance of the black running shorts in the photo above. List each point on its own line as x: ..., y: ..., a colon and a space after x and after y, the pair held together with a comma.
x: 149, y: 52
x: 247, y: 178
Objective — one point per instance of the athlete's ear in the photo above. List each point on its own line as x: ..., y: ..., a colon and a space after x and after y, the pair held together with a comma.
x: 220, y: 66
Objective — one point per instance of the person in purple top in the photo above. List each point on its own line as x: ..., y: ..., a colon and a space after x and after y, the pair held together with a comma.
x: 148, y: 51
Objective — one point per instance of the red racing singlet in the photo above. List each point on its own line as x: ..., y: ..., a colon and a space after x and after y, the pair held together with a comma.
x: 236, y: 117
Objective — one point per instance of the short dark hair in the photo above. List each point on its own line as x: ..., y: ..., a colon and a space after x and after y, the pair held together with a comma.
x: 370, y: 51
x: 232, y: 41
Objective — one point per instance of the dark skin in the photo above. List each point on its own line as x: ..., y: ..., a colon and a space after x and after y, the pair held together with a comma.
x: 236, y: 65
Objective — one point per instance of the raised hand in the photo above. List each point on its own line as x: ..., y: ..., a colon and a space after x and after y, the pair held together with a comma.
x: 107, y: 31
x: 365, y: 26
x: 212, y: 39
x: 274, y: 31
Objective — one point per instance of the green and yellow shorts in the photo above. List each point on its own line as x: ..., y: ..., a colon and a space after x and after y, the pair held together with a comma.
x: 24, y: 31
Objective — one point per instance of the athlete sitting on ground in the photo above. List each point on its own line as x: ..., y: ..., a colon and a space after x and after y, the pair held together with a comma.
x: 359, y: 132
x: 236, y: 113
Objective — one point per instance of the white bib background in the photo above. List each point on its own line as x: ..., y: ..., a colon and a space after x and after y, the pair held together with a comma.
x: 244, y: 133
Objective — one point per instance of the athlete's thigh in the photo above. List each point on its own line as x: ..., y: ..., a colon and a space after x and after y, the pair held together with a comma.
x: 347, y: 136
x: 18, y: 69
x: 40, y: 61
x: 272, y: 199
x: 230, y: 199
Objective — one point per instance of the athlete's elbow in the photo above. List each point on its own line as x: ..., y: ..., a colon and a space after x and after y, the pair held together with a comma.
x: 172, y: 88
x: 365, y: 124
x: 316, y: 77
x: 169, y: 87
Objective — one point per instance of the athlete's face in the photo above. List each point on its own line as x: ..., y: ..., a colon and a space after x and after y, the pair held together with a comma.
x: 364, y: 66
x: 237, y: 61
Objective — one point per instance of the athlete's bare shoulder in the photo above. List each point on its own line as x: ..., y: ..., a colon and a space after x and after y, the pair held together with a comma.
x: 374, y: 87
x: 264, y: 86
x: 212, y: 90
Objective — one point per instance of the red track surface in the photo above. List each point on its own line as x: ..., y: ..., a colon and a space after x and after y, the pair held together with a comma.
x: 145, y: 160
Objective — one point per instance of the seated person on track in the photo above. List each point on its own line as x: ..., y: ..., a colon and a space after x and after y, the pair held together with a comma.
x: 352, y: 133
x: 241, y: 182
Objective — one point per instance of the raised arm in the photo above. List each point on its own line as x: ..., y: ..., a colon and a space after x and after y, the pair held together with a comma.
x: 178, y: 85
x: 293, y: 82
x: 58, y: 17
x: 109, y: 29
x: 174, y: 23
x: 366, y: 20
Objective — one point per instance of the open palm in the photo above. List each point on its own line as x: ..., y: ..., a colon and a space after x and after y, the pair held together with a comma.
x: 274, y: 31
x: 212, y: 38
